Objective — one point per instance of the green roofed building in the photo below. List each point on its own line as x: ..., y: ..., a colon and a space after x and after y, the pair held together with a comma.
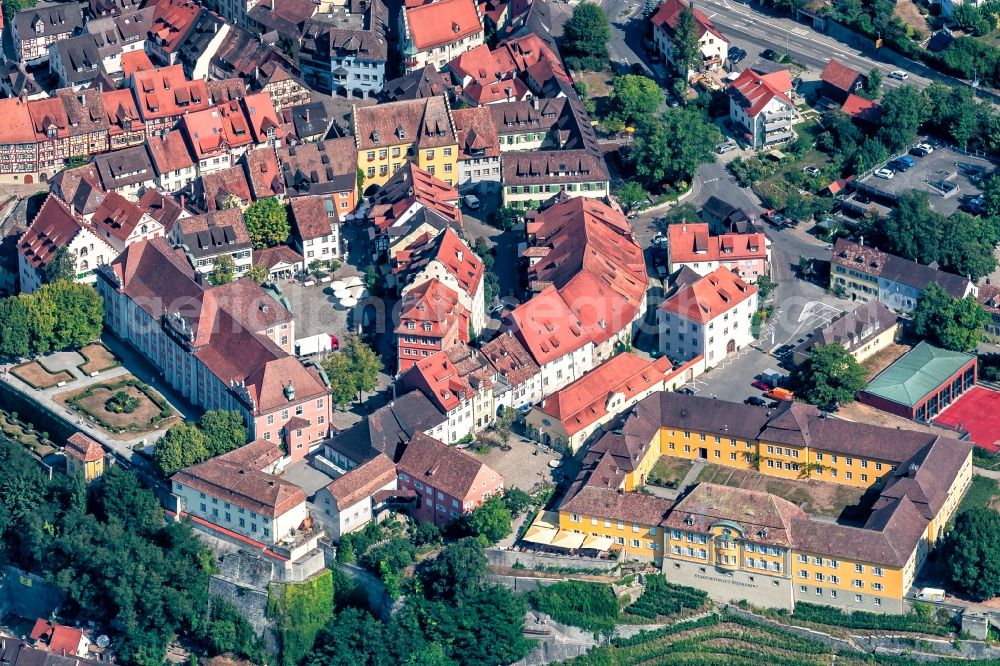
x: 921, y: 382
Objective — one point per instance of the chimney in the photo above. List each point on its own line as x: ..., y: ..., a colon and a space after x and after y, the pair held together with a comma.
x: 305, y: 114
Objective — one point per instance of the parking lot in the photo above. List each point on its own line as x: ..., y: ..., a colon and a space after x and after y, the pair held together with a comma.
x: 935, y: 174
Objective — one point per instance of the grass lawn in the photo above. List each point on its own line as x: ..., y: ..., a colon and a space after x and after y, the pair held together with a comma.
x: 982, y: 492
x: 817, y: 497
x: 38, y: 376
x: 670, y: 471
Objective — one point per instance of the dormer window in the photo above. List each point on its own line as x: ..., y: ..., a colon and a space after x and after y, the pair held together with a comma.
x: 375, y: 137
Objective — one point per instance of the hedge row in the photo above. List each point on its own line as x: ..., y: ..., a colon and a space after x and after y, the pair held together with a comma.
x: 864, y: 620
x: 662, y: 597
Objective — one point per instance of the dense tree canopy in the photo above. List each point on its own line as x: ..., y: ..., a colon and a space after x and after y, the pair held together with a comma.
x: 352, y: 371
x: 685, y: 47
x: 668, y: 149
x: 218, y: 431
x: 223, y: 271
x: 267, y: 222
x: 62, y: 266
x: 61, y: 315
x: 904, y: 109
x: 633, y: 97
x: 457, y: 572
x: 586, y: 35
x: 490, y: 520
x: 952, y: 323
x: 970, y: 554
x: 829, y: 376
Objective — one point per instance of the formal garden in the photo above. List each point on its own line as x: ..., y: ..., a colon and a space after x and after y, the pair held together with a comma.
x: 24, y: 432
x: 97, y: 359
x: 125, y: 405
x: 35, y: 374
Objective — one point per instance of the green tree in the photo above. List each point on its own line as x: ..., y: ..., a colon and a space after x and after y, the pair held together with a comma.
x: 365, y: 365
x: 79, y: 313
x: 970, y: 554
x: 224, y: 431
x: 490, y: 520
x: 62, y: 266
x: 507, y: 217
x: 631, y: 195
x: 341, y: 376
x: 586, y: 35
x: 504, y: 424
x: 181, y: 446
x: 258, y: 273
x: 952, y: 323
x: 829, y: 376
x: 873, y: 84
x: 684, y: 46
x: 223, y: 270
x: 516, y: 500
x: 668, y: 150
x: 228, y: 631
x: 15, y: 331
x: 267, y: 222
x: 765, y: 286
x: 42, y: 322
x: 456, y: 572
x: 904, y: 109
x: 633, y: 97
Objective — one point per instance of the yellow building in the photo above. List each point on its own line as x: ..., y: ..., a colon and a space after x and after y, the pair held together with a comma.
x: 421, y: 131
x: 862, y: 332
x: 84, y: 456
x: 740, y: 544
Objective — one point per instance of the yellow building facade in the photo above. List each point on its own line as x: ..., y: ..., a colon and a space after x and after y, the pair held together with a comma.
x: 741, y: 544
x: 421, y: 131
x: 84, y: 457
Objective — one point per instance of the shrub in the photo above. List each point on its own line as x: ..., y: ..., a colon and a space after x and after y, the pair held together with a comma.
x: 122, y: 403
x: 864, y: 620
x: 664, y: 598
x: 590, y: 606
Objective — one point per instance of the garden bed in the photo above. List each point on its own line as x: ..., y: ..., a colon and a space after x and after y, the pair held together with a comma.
x: 98, y: 359
x: 25, y: 433
x: 149, y: 411
x: 39, y: 377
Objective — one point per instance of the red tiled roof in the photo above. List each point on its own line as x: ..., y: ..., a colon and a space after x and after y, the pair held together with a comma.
x: 840, y: 76
x: 547, y: 327
x: 532, y: 55
x: 692, y: 242
x: 161, y: 208
x: 16, y: 126
x: 452, y: 252
x: 135, y: 61
x: 217, y: 130
x: 509, y: 357
x: 169, y: 152
x: 120, y: 108
x: 425, y: 122
x: 231, y: 480
x: 52, y: 228
x: 172, y: 20
x: 476, y: 132
x: 82, y: 447
x: 586, y: 400
x: 433, y: 303
x: 754, y: 91
x: 442, y: 22
x: 362, y: 481
x: 261, y: 116
x: 669, y: 12
x: 709, y: 297
x: 218, y: 186
x: 858, y: 107
x: 270, y: 257
x: 595, y: 263
x: 165, y: 92
x: 487, y: 76
x: 48, y: 114
x: 441, y: 466
x: 313, y: 217
x: 117, y: 215
x: 60, y: 639
x: 264, y: 173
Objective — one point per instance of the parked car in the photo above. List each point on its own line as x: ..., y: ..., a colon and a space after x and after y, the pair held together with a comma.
x: 901, y: 164
x: 780, y: 394
x: 637, y: 68
x: 782, y: 350
x: 471, y: 201
x: 685, y: 390
x: 769, y: 54
x: 661, y: 271
x: 736, y: 54
x: 919, y: 151
x: 755, y: 401
x: 885, y: 173
x: 775, y: 219
x: 899, y: 75
x: 926, y: 146
x: 660, y: 241
x: 760, y: 384
x: 726, y: 147
x: 811, y: 170
x: 975, y: 205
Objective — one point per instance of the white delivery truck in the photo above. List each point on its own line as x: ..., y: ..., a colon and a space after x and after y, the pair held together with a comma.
x: 315, y: 344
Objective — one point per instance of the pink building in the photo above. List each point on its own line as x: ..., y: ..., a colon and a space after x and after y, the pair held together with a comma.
x: 448, y: 482
x: 219, y: 347
x: 691, y: 245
